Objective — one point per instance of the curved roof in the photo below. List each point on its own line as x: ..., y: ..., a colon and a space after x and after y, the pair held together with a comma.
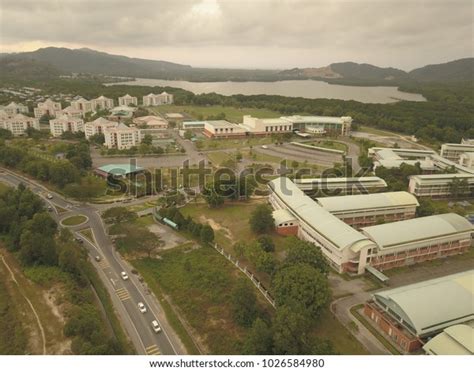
x: 370, y: 201
x: 324, y: 223
x: 432, y: 305
x: 412, y: 230
x: 282, y: 216
x: 454, y: 340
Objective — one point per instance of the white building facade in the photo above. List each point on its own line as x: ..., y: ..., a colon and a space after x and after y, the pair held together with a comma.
x: 98, y: 126
x: 157, y: 99
x: 64, y: 123
x: 127, y: 100
x: 102, y: 103
x: 121, y: 137
x: 48, y: 107
x: 19, y: 123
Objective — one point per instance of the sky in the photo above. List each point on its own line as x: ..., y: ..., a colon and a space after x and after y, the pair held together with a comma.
x: 248, y: 33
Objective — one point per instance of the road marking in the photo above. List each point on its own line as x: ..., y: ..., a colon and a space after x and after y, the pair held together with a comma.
x: 122, y: 294
x: 104, y: 264
x: 152, y: 350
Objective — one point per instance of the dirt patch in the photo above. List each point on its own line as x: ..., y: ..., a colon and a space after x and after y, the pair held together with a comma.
x: 169, y: 237
x: 217, y: 227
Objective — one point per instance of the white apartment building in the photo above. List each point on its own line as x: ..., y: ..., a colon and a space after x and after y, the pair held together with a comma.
x: 157, y: 99
x: 266, y: 126
x: 127, y: 100
x: 13, y: 109
x: 155, y: 122
x: 70, y: 112
x: 82, y: 105
x: 98, y: 126
x: 102, y: 103
x: 121, y: 137
x: 48, y: 107
x: 64, y: 123
x: 439, y: 185
x: 453, y: 151
x: 19, y: 123
x: 223, y: 129
x: 467, y: 160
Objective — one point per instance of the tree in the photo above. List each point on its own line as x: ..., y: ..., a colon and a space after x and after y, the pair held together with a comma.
x: 188, y: 134
x: 302, y: 288
x: 243, y: 300
x: 305, y: 252
x: 212, y: 197
x: 259, y: 339
x: 206, y: 234
x: 147, y: 139
x: 119, y: 214
x: 290, y: 332
x: 266, y: 243
x: 261, y: 219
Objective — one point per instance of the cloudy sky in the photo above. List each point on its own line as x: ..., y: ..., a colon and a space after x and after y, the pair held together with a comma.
x: 248, y: 33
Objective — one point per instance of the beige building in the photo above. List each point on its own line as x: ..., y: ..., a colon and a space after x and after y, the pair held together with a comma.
x: 121, y: 137
x: 102, y: 103
x: 266, y: 126
x: 467, y: 160
x: 223, y: 129
x: 155, y: 122
x: 82, y: 105
x: 70, y: 112
x: 453, y: 151
x: 98, y: 126
x: 157, y: 99
x: 127, y: 100
x: 13, y: 109
x: 48, y: 107
x: 64, y: 123
x: 19, y: 123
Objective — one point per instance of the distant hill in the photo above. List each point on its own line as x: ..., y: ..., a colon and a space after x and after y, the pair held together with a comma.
x: 24, y: 69
x: 456, y: 71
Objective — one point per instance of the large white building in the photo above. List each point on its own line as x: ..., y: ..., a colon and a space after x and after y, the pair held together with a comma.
x: 121, y: 137
x: 127, y: 100
x: 440, y: 185
x: 153, y: 122
x: 321, y: 124
x: 64, y: 123
x: 380, y: 247
x: 336, y: 186
x: 391, y: 158
x: 19, y: 123
x: 82, y: 105
x: 102, y: 103
x: 98, y: 126
x: 453, y: 151
x: 157, y: 99
x: 14, y: 108
x: 48, y: 107
x: 260, y: 126
x: 70, y: 112
x: 223, y: 129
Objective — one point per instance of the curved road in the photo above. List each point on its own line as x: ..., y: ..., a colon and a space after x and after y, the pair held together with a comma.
x: 124, y: 294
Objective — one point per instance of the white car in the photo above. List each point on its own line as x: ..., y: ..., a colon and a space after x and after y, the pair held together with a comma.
x: 265, y: 147
x: 156, y: 326
x: 124, y: 276
x: 142, y: 307
x: 49, y: 196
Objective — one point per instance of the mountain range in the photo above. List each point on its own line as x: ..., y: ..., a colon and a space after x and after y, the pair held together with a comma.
x: 52, y: 61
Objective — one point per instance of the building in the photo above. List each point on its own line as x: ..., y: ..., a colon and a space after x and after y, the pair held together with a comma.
x: 467, y: 160
x: 64, y: 123
x: 391, y: 158
x: 321, y: 124
x: 98, y: 126
x: 467, y: 141
x: 417, y: 240
x: 121, y: 137
x: 70, y: 112
x: 127, y: 100
x: 285, y: 222
x: 102, y: 103
x: 118, y: 170
x: 412, y: 314
x: 13, y: 109
x: 154, y: 122
x: 157, y: 99
x: 376, y: 247
x: 48, y: 107
x: 455, y: 340
x: 82, y: 105
x: 453, y: 151
x: 258, y: 126
x: 365, y: 210
x: 223, y: 129
x: 193, y: 125
x: 122, y: 112
x: 441, y: 185
x: 337, y: 186
x: 344, y: 247
x: 19, y: 123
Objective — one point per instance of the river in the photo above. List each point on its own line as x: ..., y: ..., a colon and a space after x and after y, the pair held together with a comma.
x: 289, y: 88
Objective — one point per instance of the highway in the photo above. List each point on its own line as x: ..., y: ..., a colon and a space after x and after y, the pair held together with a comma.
x: 125, y: 294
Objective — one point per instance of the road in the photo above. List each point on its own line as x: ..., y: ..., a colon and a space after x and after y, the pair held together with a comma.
x: 125, y: 294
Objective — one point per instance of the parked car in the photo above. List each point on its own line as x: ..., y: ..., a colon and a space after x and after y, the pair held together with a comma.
x: 50, y: 208
x: 142, y: 307
x: 124, y: 276
x: 97, y: 258
x: 265, y: 147
x: 156, y: 326
x: 49, y: 196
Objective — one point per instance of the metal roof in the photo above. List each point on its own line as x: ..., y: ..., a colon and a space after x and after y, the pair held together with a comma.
x: 282, y: 216
x: 430, y: 306
x: 324, y: 223
x: 454, y: 340
x: 393, y: 234
x: 317, y: 119
x: 370, y: 201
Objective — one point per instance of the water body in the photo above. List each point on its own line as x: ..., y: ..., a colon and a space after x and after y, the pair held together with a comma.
x: 290, y: 88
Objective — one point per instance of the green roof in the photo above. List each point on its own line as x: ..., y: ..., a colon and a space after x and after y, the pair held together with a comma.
x: 120, y: 169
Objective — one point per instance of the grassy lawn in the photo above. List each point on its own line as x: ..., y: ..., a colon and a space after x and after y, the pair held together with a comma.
x: 211, y: 144
x: 199, y: 282
x: 203, y: 112
x: 74, y: 220
x: 3, y: 188
x: 328, y: 327
x: 87, y: 233
x: 368, y: 129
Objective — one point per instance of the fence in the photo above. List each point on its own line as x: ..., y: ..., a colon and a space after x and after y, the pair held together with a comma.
x: 249, y: 274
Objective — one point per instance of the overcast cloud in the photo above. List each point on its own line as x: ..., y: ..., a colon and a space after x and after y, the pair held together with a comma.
x: 248, y: 33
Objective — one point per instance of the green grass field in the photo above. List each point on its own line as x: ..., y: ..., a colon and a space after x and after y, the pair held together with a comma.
x: 74, y: 220
x: 203, y: 112
x: 213, y: 144
x: 199, y: 282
